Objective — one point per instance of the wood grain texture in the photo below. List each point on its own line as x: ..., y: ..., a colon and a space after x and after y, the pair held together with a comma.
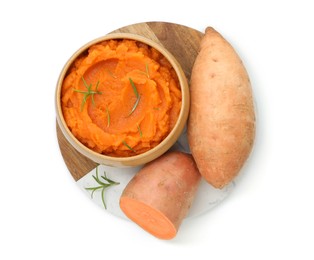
x: 183, y: 43
x: 77, y: 163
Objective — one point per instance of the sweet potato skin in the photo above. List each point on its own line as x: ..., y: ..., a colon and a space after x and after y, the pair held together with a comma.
x: 168, y: 185
x: 221, y: 126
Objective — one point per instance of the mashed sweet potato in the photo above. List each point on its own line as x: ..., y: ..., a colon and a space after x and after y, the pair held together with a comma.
x: 121, y: 98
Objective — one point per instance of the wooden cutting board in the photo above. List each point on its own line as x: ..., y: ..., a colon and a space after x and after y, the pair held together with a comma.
x: 183, y: 42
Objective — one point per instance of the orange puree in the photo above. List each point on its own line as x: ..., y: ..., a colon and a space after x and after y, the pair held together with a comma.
x: 119, y: 118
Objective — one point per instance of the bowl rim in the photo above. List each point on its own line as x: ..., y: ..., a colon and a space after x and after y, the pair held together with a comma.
x: 152, y: 153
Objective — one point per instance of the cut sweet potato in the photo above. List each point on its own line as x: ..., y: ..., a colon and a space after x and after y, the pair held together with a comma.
x: 161, y: 193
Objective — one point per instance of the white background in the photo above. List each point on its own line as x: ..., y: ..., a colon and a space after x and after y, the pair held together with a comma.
x: 44, y: 215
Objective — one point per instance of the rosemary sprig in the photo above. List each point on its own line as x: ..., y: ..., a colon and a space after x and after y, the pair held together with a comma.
x: 102, y: 186
x: 128, y: 146
x: 146, y: 72
x: 88, y: 93
x: 136, y: 95
x: 111, y: 73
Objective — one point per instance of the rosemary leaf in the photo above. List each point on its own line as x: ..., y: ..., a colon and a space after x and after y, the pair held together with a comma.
x: 103, y: 198
x: 136, y: 95
x: 97, y: 173
x: 139, y: 130
x: 92, y: 194
x: 99, y: 181
x: 85, y: 83
x: 129, y: 147
x: 108, y: 117
x: 106, y: 179
x: 93, y: 188
x: 92, y: 93
x: 111, y: 73
x: 147, y: 70
x: 135, y: 105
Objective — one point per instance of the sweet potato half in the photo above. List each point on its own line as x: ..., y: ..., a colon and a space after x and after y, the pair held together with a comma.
x: 161, y: 193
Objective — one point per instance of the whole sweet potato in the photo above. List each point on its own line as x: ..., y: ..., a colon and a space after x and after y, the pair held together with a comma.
x: 221, y: 126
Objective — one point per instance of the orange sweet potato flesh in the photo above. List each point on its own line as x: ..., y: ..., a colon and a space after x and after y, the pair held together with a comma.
x: 221, y: 126
x: 161, y: 193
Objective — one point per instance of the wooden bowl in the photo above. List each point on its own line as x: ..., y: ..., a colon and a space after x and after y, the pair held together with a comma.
x: 149, y: 155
